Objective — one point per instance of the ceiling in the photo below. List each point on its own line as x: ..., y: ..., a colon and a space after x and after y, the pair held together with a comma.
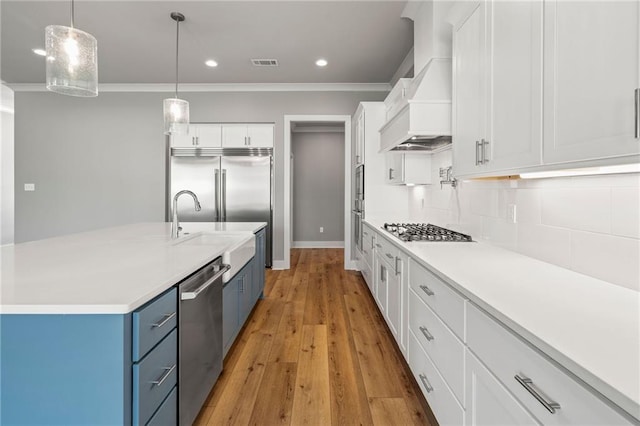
x: 363, y: 41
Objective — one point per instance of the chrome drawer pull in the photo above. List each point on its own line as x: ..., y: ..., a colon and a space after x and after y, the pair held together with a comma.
x: 167, y: 318
x: 426, y: 333
x: 427, y: 290
x: 378, y: 245
x: 389, y: 256
x: 167, y: 373
x: 425, y: 382
x: 527, y: 384
x: 365, y: 252
x: 398, y: 267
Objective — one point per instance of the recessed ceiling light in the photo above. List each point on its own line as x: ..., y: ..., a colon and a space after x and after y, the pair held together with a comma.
x: 321, y: 62
x: 211, y: 63
x: 39, y: 52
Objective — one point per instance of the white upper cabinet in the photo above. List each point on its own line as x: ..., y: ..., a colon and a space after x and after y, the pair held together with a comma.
x: 199, y: 136
x: 247, y: 135
x: 497, y: 87
x: 592, y: 61
x: 359, y: 137
x: 408, y: 169
x: 468, y: 90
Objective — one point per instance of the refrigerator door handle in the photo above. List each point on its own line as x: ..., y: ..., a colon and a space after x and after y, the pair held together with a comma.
x: 224, y: 195
x: 217, y: 192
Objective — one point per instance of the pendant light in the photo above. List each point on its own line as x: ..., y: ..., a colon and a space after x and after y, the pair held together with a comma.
x: 176, y: 111
x: 72, y: 60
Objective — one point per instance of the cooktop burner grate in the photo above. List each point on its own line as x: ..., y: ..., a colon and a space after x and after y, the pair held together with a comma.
x: 424, y: 232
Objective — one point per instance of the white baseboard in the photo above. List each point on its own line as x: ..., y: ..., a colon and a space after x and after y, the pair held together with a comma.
x: 280, y: 265
x: 318, y: 244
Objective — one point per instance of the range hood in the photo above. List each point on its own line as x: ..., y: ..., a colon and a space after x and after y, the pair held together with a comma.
x: 419, y: 111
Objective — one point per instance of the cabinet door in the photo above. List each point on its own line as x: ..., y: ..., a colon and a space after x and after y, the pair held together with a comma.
x: 514, y: 81
x: 592, y: 57
x: 468, y: 90
x: 394, y: 170
x: 382, y: 274
x: 404, y: 306
x: 187, y: 140
x: 209, y: 135
x: 234, y: 136
x: 488, y: 402
x: 394, y: 300
x: 230, y: 315
x: 245, y: 300
x: 260, y: 135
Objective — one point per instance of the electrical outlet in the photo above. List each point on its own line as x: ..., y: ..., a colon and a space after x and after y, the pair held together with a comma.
x: 511, y: 213
x: 321, y: 229
x: 29, y: 186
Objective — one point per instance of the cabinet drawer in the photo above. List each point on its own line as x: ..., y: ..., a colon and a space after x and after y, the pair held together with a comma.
x: 444, y: 301
x: 442, y: 346
x: 387, y: 251
x: 154, y: 377
x: 438, y: 395
x: 154, y: 321
x: 507, y: 356
x: 167, y: 414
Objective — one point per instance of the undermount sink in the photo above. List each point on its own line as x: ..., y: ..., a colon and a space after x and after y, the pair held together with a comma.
x: 240, y: 247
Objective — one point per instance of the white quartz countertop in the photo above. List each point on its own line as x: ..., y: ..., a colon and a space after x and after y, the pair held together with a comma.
x: 590, y: 327
x: 108, y: 271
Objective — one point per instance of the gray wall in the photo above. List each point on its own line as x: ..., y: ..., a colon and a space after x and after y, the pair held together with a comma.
x: 318, y: 186
x: 6, y: 166
x: 100, y: 162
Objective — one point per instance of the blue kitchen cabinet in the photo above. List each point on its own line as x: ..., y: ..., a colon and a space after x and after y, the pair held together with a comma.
x: 81, y: 369
x: 237, y: 304
x: 257, y: 283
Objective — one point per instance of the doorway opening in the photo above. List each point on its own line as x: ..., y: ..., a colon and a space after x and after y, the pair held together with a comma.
x: 317, y: 183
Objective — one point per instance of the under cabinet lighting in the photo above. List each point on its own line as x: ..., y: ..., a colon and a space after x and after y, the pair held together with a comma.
x: 211, y: 63
x: 39, y: 52
x: 606, y: 170
x: 321, y: 62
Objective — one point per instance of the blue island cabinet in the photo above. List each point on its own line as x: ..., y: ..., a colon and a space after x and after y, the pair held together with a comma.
x: 90, y: 369
x: 241, y: 293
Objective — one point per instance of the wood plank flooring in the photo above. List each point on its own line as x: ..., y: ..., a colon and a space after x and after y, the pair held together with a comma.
x: 315, y: 351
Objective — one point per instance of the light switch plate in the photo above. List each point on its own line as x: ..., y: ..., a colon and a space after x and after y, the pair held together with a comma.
x: 29, y: 186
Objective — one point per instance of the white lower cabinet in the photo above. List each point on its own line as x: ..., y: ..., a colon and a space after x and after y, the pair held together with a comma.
x: 488, y: 401
x: 381, y: 283
x: 439, y: 396
x: 547, y: 392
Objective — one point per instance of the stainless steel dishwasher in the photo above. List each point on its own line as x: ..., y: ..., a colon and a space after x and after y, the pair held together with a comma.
x: 200, y: 338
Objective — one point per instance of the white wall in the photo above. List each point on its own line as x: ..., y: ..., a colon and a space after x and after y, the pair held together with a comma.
x: 6, y: 166
x: 589, y: 224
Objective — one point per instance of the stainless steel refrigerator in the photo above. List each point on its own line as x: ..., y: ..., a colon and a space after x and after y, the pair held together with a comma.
x: 232, y: 185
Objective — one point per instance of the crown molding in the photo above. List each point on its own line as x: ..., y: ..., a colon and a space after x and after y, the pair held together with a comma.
x: 224, y: 87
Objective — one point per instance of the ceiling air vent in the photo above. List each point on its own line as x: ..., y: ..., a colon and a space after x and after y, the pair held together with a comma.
x: 264, y: 62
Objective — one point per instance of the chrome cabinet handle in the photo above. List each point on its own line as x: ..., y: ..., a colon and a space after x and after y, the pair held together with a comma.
x: 167, y: 373
x: 426, y: 333
x: 193, y: 140
x: 378, y: 245
x: 390, y: 174
x: 427, y: 290
x: 167, y: 318
x: 197, y: 140
x: 389, y: 255
x: 485, y: 150
x: 382, y: 273
x: 637, y: 113
x: 365, y: 252
x: 527, y: 384
x: 398, y: 268
x: 425, y: 382
x: 477, y: 153
x: 365, y: 233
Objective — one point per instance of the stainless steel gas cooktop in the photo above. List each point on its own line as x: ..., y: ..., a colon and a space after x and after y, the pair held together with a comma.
x: 424, y: 232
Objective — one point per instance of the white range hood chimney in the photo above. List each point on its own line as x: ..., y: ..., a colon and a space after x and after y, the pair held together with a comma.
x: 419, y: 109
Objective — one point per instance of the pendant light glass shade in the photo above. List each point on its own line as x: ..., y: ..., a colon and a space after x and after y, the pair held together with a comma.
x: 72, y: 61
x: 176, y: 111
x: 176, y: 116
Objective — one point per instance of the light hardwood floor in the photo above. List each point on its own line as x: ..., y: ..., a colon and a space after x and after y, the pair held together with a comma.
x: 315, y: 351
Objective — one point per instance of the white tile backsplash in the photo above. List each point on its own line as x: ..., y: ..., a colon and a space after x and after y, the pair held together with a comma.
x: 589, y: 224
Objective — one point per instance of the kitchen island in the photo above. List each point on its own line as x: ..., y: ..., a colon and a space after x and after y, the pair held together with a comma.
x: 72, y: 319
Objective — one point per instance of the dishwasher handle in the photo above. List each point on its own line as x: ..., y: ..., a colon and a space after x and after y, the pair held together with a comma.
x: 190, y: 295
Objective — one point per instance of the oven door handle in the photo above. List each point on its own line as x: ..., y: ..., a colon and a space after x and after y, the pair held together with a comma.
x: 190, y: 295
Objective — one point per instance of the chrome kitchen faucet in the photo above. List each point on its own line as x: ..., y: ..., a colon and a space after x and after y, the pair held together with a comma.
x: 175, y: 225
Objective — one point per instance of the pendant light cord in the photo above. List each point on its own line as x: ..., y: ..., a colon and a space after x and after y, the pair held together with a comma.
x: 72, y: 14
x: 177, y: 44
